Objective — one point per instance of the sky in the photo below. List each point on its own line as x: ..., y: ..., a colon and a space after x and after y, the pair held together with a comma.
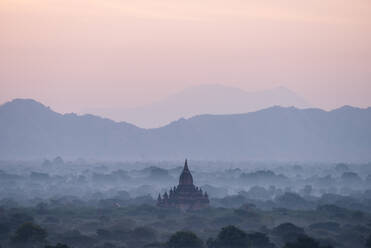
x: 78, y: 54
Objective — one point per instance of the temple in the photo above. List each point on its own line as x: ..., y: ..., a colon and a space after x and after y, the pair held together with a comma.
x: 186, y: 196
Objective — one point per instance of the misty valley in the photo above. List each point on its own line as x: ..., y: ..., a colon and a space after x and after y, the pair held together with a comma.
x: 83, y: 181
x: 185, y: 124
x: 62, y: 203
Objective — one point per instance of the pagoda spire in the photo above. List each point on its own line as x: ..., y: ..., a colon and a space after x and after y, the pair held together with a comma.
x: 186, y: 176
x: 186, y: 165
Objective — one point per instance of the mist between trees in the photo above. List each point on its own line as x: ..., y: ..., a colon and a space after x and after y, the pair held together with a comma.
x: 59, y: 203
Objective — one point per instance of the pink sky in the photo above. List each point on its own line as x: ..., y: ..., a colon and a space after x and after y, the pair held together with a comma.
x: 75, y: 54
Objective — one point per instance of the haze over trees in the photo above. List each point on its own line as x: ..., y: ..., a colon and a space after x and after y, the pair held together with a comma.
x: 59, y: 203
x: 139, y: 165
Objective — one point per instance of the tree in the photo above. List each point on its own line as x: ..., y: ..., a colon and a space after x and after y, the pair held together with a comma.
x: 368, y: 241
x: 4, y: 228
x: 18, y: 219
x: 144, y: 234
x: 288, y: 232
x: 305, y: 242
x: 59, y: 245
x: 104, y: 234
x: 184, y: 240
x: 29, y: 232
x: 230, y: 237
x: 210, y: 243
x: 260, y: 240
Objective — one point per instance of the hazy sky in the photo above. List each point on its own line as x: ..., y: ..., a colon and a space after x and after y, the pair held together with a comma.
x: 74, y: 54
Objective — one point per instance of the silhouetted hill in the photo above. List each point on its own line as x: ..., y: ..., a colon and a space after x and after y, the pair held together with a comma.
x: 203, y: 99
x: 30, y: 130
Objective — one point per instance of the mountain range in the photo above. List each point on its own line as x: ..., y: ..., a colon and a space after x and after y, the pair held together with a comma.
x: 30, y: 130
x: 202, y: 99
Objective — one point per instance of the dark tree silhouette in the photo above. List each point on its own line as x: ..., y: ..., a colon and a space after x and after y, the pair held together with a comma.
x: 368, y: 241
x: 184, y: 240
x: 59, y: 245
x: 288, y: 232
x: 29, y: 232
x: 230, y: 237
x: 260, y: 240
x: 4, y: 228
x: 305, y: 242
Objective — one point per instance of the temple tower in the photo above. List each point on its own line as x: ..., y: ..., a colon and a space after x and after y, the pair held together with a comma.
x: 186, y: 196
x: 186, y: 176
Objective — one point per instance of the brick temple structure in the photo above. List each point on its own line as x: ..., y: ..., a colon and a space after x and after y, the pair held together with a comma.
x: 186, y: 196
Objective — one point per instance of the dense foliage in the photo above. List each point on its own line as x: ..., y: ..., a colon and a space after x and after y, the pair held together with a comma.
x: 112, y: 205
x: 184, y: 239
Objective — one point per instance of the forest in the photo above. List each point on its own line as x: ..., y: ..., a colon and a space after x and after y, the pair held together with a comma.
x: 57, y: 203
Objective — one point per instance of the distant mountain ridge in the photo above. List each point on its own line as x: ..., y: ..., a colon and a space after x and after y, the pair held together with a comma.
x: 31, y: 130
x: 203, y: 99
